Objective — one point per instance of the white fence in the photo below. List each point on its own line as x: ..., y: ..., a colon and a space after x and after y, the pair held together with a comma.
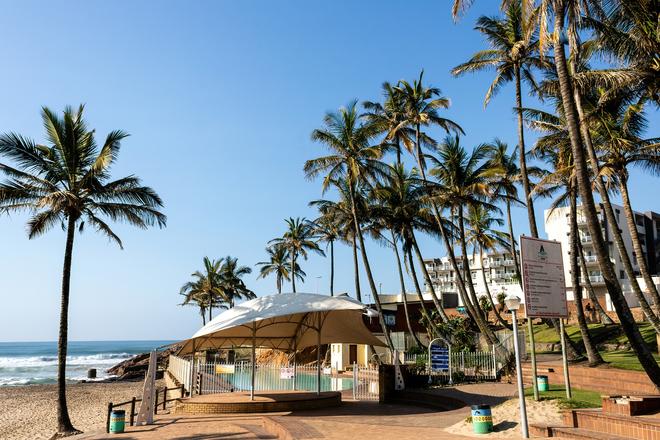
x: 366, y: 383
x: 180, y: 369
x: 468, y: 365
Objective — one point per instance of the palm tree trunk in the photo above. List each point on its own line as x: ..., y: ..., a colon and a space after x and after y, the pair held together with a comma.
x: 604, y: 317
x: 293, y: 271
x: 404, y: 296
x: 427, y: 278
x: 531, y: 216
x: 512, y: 240
x: 278, y: 282
x: 356, y: 271
x: 64, y: 425
x: 332, y: 268
x: 637, y: 246
x: 210, y: 313
x: 490, y: 297
x: 592, y: 353
x: 483, y: 327
x: 202, y: 312
x: 466, y: 265
x: 616, y: 295
x: 418, y: 290
x: 370, y: 279
x: 609, y: 214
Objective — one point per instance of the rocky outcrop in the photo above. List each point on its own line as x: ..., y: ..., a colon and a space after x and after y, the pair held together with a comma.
x: 136, y: 367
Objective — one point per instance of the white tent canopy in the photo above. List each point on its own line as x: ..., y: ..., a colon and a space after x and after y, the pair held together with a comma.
x: 289, y: 321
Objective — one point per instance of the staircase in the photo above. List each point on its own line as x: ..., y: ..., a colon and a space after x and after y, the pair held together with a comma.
x: 619, y: 418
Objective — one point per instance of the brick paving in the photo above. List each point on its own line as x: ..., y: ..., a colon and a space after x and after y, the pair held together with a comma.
x: 363, y: 420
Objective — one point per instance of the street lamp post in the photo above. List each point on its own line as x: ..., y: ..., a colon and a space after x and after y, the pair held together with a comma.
x: 512, y: 303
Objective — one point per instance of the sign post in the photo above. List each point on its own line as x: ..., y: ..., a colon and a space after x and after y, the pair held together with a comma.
x: 544, y: 287
x: 440, y: 358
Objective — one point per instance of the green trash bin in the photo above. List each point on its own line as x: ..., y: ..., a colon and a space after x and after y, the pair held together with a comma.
x: 542, y: 382
x: 117, y: 421
x: 482, y: 420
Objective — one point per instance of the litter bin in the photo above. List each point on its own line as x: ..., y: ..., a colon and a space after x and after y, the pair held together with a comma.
x: 117, y: 421
x: 482, y: 420
x: 542, y: 383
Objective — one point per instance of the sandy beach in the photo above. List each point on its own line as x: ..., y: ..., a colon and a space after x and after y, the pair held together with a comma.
x: 29, y: 412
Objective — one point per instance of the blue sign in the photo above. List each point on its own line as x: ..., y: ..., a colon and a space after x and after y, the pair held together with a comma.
x: 439, y: 359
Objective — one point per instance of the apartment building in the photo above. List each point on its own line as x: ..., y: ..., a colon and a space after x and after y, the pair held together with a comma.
x: 499, y: 268
x: 557, y: 227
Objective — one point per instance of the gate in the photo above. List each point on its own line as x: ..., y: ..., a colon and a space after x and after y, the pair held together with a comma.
x: 366, y: 383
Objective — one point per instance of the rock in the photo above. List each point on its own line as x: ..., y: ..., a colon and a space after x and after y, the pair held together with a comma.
x: 136, y: 367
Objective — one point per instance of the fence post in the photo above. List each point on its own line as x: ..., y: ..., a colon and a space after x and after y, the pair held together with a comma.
x: 494, y: 364
x: 131, y: 419
x: 355, y: 380
x: 107, y: 421
x: 183, y: 391
x: 156, y: 402
x: 164, y: 397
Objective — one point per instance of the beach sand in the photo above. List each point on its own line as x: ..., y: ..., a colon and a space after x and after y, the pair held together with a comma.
x: 506, y: 418
x: 29, y: 412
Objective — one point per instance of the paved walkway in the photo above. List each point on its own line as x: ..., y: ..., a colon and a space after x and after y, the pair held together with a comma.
x: 363, y: 420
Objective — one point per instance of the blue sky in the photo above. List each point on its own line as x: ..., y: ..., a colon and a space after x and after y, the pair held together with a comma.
x: 220, y: 99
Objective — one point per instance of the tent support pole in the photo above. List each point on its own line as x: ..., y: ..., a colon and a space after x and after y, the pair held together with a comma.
x: 318, y: 358
x: 192, y: 370
x: 254, y: 357
x: 295, y: 366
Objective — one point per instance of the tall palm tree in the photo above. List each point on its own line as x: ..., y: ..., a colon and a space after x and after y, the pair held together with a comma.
x: 422, y: 105
x: 326, y: 230
x: 482, y: 236
x: 513, y: 53
x: 462, y: 180
x: 299, y: 239
x: 233, y: 286
x: 506, y: 175
x: 354, y: 159
x: 206, y: 289
x: 68, y: 182
x: 278, y: 263
x: 566, y: 16
x: 341, y: 213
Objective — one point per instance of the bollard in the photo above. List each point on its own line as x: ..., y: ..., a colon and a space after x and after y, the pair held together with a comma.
x: 91, y: 373
x: 542, y: 382
x: 482, y: 420
x: 117, y: 421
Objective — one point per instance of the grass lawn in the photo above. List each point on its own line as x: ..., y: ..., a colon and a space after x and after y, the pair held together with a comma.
x: 581, y: 398
x: 624, y: 359
x: 602, y: 334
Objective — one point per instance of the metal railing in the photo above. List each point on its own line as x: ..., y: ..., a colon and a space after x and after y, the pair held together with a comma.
x: 590, y: 258
x: 366, y: 383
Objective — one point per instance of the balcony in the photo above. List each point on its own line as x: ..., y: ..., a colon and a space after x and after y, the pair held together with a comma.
x: 590, y: 259
x: 586, y: 239
x: 509, y: 262
x: 594, y: 279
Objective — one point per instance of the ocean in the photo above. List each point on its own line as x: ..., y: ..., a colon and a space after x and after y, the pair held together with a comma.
x: 28, y: 363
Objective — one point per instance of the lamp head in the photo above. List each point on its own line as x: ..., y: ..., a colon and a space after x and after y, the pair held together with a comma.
x: 512, y: 303
x: 371, y: 313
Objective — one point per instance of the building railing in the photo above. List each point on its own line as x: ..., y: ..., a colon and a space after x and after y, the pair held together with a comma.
x: 180, y: 369
x: 590, y: 258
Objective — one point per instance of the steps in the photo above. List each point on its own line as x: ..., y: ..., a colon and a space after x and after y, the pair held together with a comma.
x: 611, y: 422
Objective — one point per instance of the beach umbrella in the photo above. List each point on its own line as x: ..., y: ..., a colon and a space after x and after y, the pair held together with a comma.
x: 289, y: 322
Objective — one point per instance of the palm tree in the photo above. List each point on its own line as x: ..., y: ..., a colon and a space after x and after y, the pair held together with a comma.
x: 513, y: 53
x: 326, y: 230
x: 341, y: 213
x: 421, y: 106
x: 568, y: 18
x: 462, y: 180
x: 206, y: 289
x: 233, y: 286
x: 482, y: 236
x: 354, y: 159
x: 299, y: 239
x: 629, y: 33
x: 278, y: 263
x: 195, y: 295
x: 67, y: 182
x: 506, y: 175
x: 390, y: 118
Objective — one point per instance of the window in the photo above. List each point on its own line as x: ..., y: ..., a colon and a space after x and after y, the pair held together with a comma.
x: 622, y: 274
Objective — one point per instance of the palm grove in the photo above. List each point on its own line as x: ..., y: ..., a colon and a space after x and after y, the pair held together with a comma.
x: 591, y: 134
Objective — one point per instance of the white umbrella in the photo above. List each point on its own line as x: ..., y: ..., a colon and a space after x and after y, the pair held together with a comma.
x: 289, y: 322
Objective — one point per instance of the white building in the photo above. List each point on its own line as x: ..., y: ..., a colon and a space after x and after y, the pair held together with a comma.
x: 557, y: 227
x: 498, y: 266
